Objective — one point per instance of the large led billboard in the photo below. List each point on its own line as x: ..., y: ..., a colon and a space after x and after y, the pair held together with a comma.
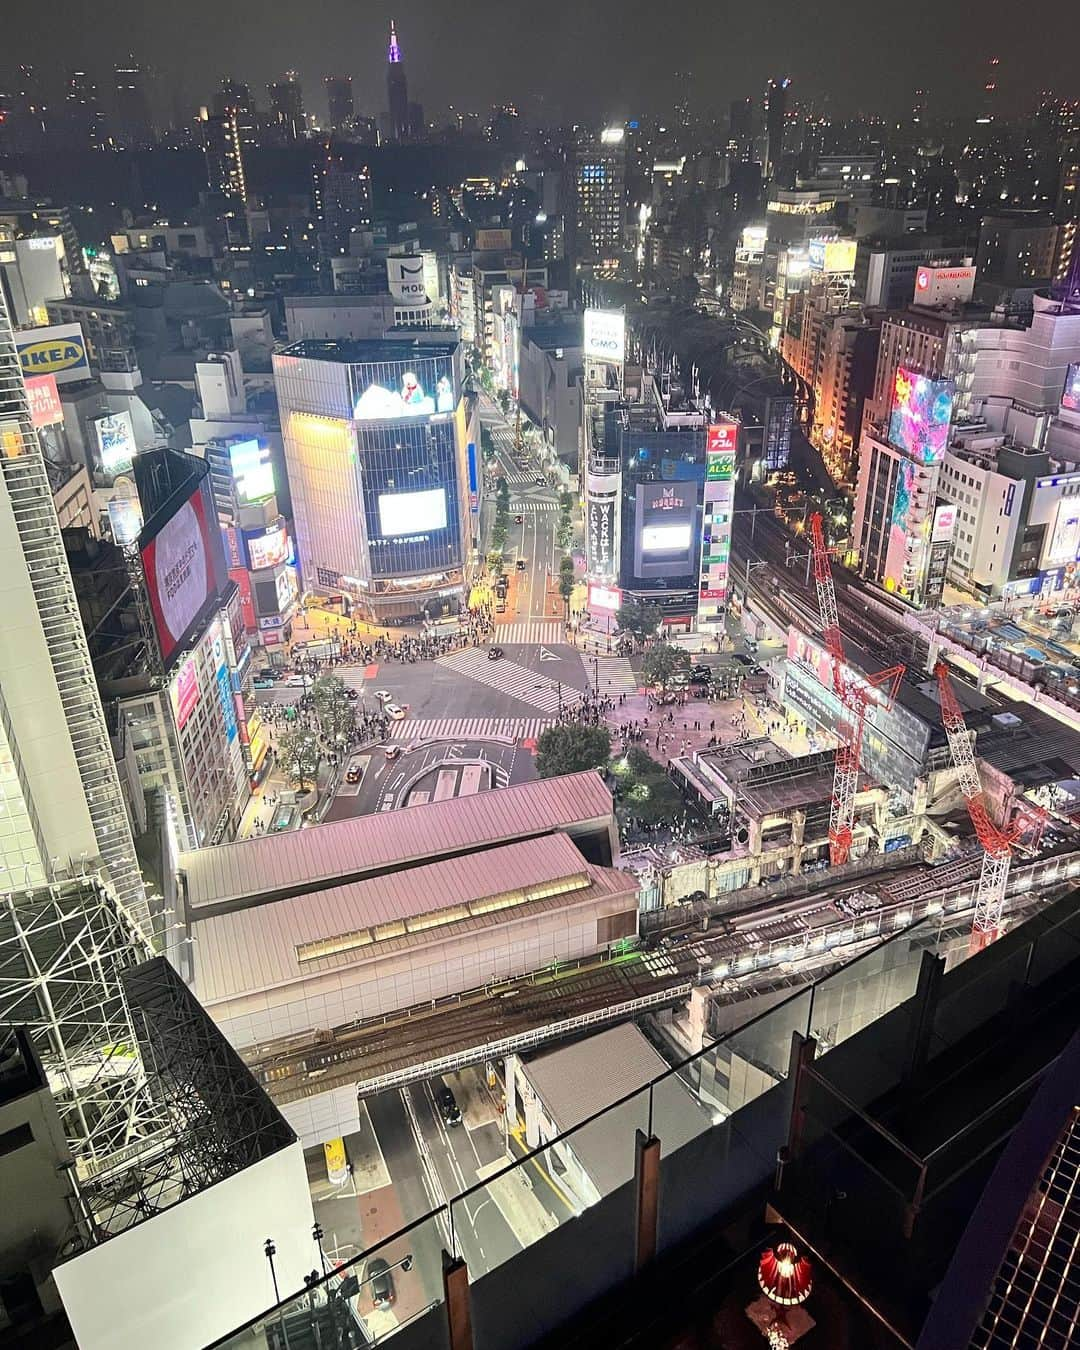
x: 406, y: 513
x: 1065, y: 541
x: 833, y: 256
x: 116, y: 442
x: 666, y: 514
x: 410, y: 399
x: 605, y: 335
x: 921, y: 415
x: 180, y: 563
x: 252, y: 471
x: 1070, y: 398
x: 267, y: 547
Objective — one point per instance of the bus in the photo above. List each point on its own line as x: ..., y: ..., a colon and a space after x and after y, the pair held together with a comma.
x: 337, y: 1163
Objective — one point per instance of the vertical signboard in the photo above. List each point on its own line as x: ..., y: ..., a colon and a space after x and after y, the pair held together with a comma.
x: 721, y: 441
x: 43, y: 396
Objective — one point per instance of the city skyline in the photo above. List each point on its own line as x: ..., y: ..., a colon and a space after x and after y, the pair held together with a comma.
x: 602, y: 52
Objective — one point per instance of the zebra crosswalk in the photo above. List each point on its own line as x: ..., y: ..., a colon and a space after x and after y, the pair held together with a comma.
x: 469, y: 728
x: 659, y: 963
x: 546, y: 695
x: 541, y: 632
x: 519, y: 477
x: 614, y: 675
x: 531, y: 506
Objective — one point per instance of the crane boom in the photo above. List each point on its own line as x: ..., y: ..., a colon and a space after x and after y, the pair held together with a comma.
x: 996, y: 843
x: 856, y: 696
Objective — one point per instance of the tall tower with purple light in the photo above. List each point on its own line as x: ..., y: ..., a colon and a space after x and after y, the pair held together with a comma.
x: 397, y: 90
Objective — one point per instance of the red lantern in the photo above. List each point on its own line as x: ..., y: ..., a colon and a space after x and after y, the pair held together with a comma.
x: 785, y: 1277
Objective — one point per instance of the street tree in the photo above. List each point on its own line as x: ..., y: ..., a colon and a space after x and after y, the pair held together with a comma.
x: 299, y: 757
x: 335, y: 713
x: 661, y: 662
x: 571, y: 749
x: 639, y: 618
x: 566, y: 586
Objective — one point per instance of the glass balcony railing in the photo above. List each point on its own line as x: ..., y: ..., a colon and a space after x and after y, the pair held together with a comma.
x: 720, y: 1116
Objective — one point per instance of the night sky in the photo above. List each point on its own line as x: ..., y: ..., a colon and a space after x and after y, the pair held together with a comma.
x: 569, y: 58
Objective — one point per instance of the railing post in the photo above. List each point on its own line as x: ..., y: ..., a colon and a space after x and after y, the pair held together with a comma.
x: 646, y: 1198
x: 458, y: 1302
x: 925, y: 1003
x: 803, y: 1049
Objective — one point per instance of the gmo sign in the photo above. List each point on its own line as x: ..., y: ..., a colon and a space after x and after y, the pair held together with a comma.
x: 605, y: 335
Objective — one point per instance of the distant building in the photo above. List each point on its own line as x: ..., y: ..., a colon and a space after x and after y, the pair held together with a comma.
x: 1016, y: 248
x: 397, y: 89
x: 776, y: 94
x: 225, y: 157
x: 600, y: 185
x: 133, y: 125
x: 339, y: 101
x: 287, y: 107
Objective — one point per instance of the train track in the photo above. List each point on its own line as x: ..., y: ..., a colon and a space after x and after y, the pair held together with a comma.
x: 794, y: 933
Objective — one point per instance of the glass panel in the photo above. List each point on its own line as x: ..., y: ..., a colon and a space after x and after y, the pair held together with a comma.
x: 392, y: 1292
x: 518, y: 1205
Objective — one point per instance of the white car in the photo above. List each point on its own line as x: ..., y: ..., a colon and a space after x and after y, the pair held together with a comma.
x: 394, y: 712
x: 383, y: 695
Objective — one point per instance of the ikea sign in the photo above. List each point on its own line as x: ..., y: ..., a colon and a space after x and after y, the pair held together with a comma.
x: 60, y: 352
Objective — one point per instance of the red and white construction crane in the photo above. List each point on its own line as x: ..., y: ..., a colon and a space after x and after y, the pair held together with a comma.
x: 856, y: 694
x: 997, y: 843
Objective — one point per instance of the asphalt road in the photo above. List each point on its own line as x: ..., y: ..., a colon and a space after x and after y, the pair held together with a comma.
x: 533, y: 538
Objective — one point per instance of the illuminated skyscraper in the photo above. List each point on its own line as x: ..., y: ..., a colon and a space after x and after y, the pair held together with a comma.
x: 397, y: 89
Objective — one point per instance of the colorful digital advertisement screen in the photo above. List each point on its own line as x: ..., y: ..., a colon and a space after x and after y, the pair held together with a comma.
x: 410, y: 399
x: 267, y: 549
x: 407, y: 513
x: 666, y: 514
x: 179, y: 567
x: 1070, y: 397
x: 252, y: 471
x: 116, y: 442
x: 921, y: 415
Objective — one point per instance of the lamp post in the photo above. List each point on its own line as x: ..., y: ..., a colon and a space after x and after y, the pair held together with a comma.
x: 270, y: 1251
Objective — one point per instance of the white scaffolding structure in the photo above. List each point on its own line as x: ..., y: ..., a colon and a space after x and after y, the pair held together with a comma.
x: 63, y: 950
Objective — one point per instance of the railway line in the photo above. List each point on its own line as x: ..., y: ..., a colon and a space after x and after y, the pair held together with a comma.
x: 736, y: 954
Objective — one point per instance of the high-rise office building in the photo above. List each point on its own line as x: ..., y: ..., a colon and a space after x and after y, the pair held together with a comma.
x: 775, y: 114
x: 84, y: 117
x: 134, y: 127
x: 397, y: 89
x: 225, y: 157
x: 73, y: 911
x: 339, y: 101
x: 235, y: 96
x: 287, y: 106
x: 600, y: 182
x: 342, y: 196
x: 63, y: 807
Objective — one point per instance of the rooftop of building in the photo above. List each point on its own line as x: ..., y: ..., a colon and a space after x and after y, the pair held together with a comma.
x: 561, y: 330
x: 309, y: 934
x: 276, y: 867
x: 362, y: 351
